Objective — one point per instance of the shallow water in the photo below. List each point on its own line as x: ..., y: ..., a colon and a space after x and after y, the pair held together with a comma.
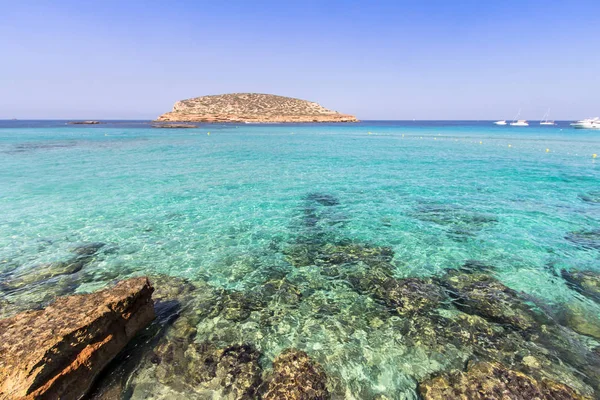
x: 225, y: 208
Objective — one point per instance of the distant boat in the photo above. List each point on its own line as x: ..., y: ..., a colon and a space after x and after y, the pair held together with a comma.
x: 520, y: 122
x: 503, y: 122
x: 545, y: 120
x: 589, y: 123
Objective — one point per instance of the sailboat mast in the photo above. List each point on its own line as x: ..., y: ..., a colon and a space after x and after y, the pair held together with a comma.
x: 545, y: 119
x: 517, y: 116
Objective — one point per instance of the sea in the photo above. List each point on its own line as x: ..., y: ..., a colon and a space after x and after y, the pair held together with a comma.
x: 235, y: 207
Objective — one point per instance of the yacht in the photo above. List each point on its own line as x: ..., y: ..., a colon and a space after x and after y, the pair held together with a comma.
x: 503, y: 122
x: 545, y: 120
x: 589, y: 123
x: 520, y: 122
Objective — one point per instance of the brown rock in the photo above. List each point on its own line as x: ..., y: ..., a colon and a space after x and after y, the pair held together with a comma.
x: 57, y: 352
x: 253, y: 108
x: 296, y: 377
x: 174, y: 126
x: 487, y: 380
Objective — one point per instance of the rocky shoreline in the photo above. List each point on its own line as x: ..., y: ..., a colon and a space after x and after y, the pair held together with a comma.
x: 59, y: 351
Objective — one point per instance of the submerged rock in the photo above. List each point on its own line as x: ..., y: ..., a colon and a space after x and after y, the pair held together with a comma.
x: 281, y: 291
x: 585, y: 239
x: 327, y: 255
x: 489, y: 380
x: 59, y: 351
x: 460, y: 222
x: 580, y: 320
x: 407, y: 296
x: 484, y: 295
x: 19, y: 278
x: 323, y: 199
x: 296, y: 377
x: 88, y: 249
x: 236, y: 306
x: 585, y: 282
x: 591, y: 197
x: 233, y: 371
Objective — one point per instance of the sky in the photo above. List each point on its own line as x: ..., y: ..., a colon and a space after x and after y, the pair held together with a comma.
x: 398, y: 59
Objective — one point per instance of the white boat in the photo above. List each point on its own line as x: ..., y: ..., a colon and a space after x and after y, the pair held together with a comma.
x: 589, y: 123
x: 500, y: 122
x: 545, y: 120
x: 520, y: 122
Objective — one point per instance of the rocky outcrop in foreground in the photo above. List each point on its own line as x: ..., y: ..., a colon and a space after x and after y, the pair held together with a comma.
x: 252, y: 108
x: 57, y: 352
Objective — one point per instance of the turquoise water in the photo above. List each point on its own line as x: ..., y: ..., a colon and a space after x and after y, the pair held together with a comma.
x: 223, y: 207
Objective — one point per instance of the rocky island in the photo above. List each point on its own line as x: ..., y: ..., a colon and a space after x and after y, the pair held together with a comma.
x: 251, y: 108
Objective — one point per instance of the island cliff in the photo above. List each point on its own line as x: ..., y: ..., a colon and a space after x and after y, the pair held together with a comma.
x: 251, y: 107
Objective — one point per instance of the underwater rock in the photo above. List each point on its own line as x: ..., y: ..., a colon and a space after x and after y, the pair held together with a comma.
x: 460, y: 221
x: 591, y: 197
x: 306, y: 254
x: 485, y: 340
x: 59, y: 351
x: 576, y: 317
x: 236, y: 306
x: 323, y: 199
x: 372, y: 256
x: 406, y: 296
x: 88, y: 249
x: 471, y: 266
x: 233, y: 371
x: 281, y: 291
x: 84, y: 255
x: 296, y: 376
x: 488, y: 380
x: 585, y: 239
x: 484, y: 295
x: 368, y: 269
x: 585, y: 282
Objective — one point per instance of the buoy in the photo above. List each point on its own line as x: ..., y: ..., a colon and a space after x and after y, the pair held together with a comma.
x: 594, y: 155
x: 208, y: 133
x: 480, y: 142
x: 369, y: 133
x: 547, y: 150
x: 510, y: 145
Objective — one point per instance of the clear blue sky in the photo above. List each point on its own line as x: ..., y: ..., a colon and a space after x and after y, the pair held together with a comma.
x: 377, y: 59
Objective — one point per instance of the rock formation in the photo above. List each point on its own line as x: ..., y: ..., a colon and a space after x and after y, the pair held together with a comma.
x: 251, y: 107
x: 174, y: 126
x: 487, y: 380
x: 296, y: 377
x: 57, y: 352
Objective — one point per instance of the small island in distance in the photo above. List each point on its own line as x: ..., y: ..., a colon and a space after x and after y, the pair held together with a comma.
x: 251, y: 108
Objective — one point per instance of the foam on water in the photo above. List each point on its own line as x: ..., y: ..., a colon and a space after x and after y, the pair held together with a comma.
x: 223, y: 208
